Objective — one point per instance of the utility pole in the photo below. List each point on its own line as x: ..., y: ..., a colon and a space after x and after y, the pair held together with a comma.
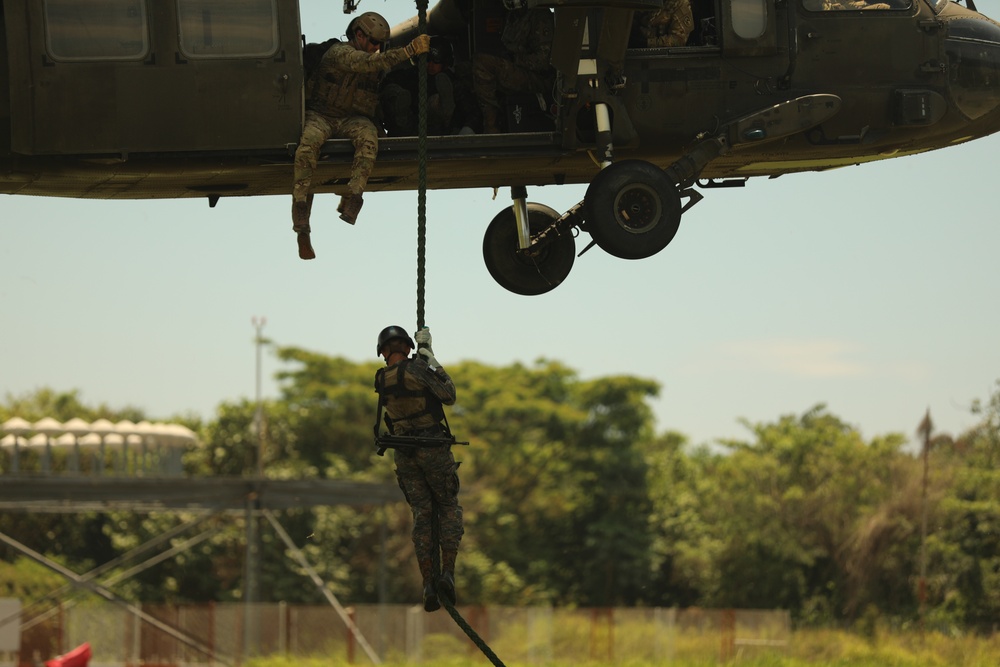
x: 252, y: 556
x: 925, y: 429
x: 258, y: 420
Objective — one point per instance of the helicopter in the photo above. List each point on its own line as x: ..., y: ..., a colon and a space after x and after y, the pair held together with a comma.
x: 132, y: 99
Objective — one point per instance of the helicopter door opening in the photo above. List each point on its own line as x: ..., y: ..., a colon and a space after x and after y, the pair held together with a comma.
x: 130, y: 76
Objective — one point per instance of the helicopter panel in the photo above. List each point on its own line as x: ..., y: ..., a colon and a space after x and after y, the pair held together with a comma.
x: 126, y: 76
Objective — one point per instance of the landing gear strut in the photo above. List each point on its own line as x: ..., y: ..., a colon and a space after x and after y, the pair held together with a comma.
x: 632, y: 208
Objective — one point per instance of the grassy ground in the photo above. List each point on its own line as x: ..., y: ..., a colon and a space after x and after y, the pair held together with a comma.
x: 809, y: 648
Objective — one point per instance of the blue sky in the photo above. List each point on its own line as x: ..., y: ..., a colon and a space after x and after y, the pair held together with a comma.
x: 873, y: 289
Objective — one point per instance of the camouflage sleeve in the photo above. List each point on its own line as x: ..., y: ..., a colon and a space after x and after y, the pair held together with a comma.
x: 437, y: 381
x: 672, y: 25
x: 345, y: 57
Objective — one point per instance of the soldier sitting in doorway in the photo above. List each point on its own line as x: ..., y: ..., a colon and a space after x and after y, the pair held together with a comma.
x: 448, y: 101
x: 526, y: 68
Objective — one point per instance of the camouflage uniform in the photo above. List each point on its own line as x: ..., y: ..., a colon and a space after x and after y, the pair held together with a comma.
x: 341, y: 97
x: 670, y: 26
x: 527, y: 36
x: 413, y: 394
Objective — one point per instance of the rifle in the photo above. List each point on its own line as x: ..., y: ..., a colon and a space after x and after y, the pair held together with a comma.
x: 384, y: 441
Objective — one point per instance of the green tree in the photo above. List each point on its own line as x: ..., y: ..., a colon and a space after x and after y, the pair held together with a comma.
x: 964, y: 546
x: 558, y: 485
x: 685, y: 547
x: 61, y: 406
x: 788, y: 506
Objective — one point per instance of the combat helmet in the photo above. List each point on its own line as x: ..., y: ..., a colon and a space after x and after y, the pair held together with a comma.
x: 372, y: 24
x: 388, y: 334
x: 441, y: 51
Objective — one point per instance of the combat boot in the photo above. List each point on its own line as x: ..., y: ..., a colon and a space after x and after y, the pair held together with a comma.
x: 446, y: 582
x: 300, y: 225
x: 431, y: 602
x: 305, y: 246
x: 300, y: 217
x: 350, y: 206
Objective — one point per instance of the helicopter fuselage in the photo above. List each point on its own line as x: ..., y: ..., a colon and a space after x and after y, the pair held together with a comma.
x: 144, y: 100
x: 172, y: 118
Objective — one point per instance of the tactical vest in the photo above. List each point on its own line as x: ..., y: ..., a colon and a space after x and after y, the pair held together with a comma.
x: 338, y: 94
x: 410, y: 405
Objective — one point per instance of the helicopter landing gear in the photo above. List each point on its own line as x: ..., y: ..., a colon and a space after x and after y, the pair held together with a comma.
x: 539, y: 264
x: 632, y: 209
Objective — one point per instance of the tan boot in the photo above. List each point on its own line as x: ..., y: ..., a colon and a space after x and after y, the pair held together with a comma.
x: 446, y: 582
x: 431, y: 602
x: 350, y: 206
x: 305, y: 246
x: 300, y: 217
x: 300, y: 225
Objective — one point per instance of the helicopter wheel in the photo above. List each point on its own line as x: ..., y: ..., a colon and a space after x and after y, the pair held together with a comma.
x: 632, y: 209
x: 533, y: 271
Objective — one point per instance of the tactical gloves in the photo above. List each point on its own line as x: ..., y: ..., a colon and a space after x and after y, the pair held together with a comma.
x: 420, y: 44
x: 423, y: 340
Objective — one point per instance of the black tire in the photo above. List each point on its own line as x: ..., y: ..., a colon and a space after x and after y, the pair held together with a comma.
x: 533, y: 272
x: 632, y: 209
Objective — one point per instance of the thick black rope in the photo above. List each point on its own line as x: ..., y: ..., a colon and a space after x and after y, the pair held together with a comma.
x: 421, y: 263
x: 473, y: 635
x: 421, y: 164
x: 461, y: 622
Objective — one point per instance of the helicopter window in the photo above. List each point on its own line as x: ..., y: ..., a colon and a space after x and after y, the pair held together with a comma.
x: 103, y: 30
x: 854, y: 5
x: 749, y: 18
x: 228, y: 28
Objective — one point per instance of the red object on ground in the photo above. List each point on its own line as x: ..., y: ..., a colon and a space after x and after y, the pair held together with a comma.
x: 78, y: 657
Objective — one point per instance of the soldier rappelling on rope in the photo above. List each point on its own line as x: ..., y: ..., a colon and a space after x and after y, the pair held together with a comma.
x: 412, y: 392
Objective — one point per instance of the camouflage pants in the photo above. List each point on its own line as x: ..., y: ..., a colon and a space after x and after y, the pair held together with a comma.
x: 429, y: 479
x: 492, y: 74
x: 317, y: 129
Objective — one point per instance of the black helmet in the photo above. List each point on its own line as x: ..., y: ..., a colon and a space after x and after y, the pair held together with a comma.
x: 388, y: 334
x: 441, y: 51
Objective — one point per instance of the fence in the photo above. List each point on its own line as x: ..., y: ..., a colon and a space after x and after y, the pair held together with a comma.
x: 227, y: 634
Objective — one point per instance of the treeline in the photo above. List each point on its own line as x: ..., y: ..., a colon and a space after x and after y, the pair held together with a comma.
x: 572, y: 498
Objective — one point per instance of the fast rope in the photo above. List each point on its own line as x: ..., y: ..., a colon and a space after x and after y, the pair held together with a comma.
x: 421, y: 164
x: 473, y: 635
x: 459, y: 621
x: 421, y: 263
